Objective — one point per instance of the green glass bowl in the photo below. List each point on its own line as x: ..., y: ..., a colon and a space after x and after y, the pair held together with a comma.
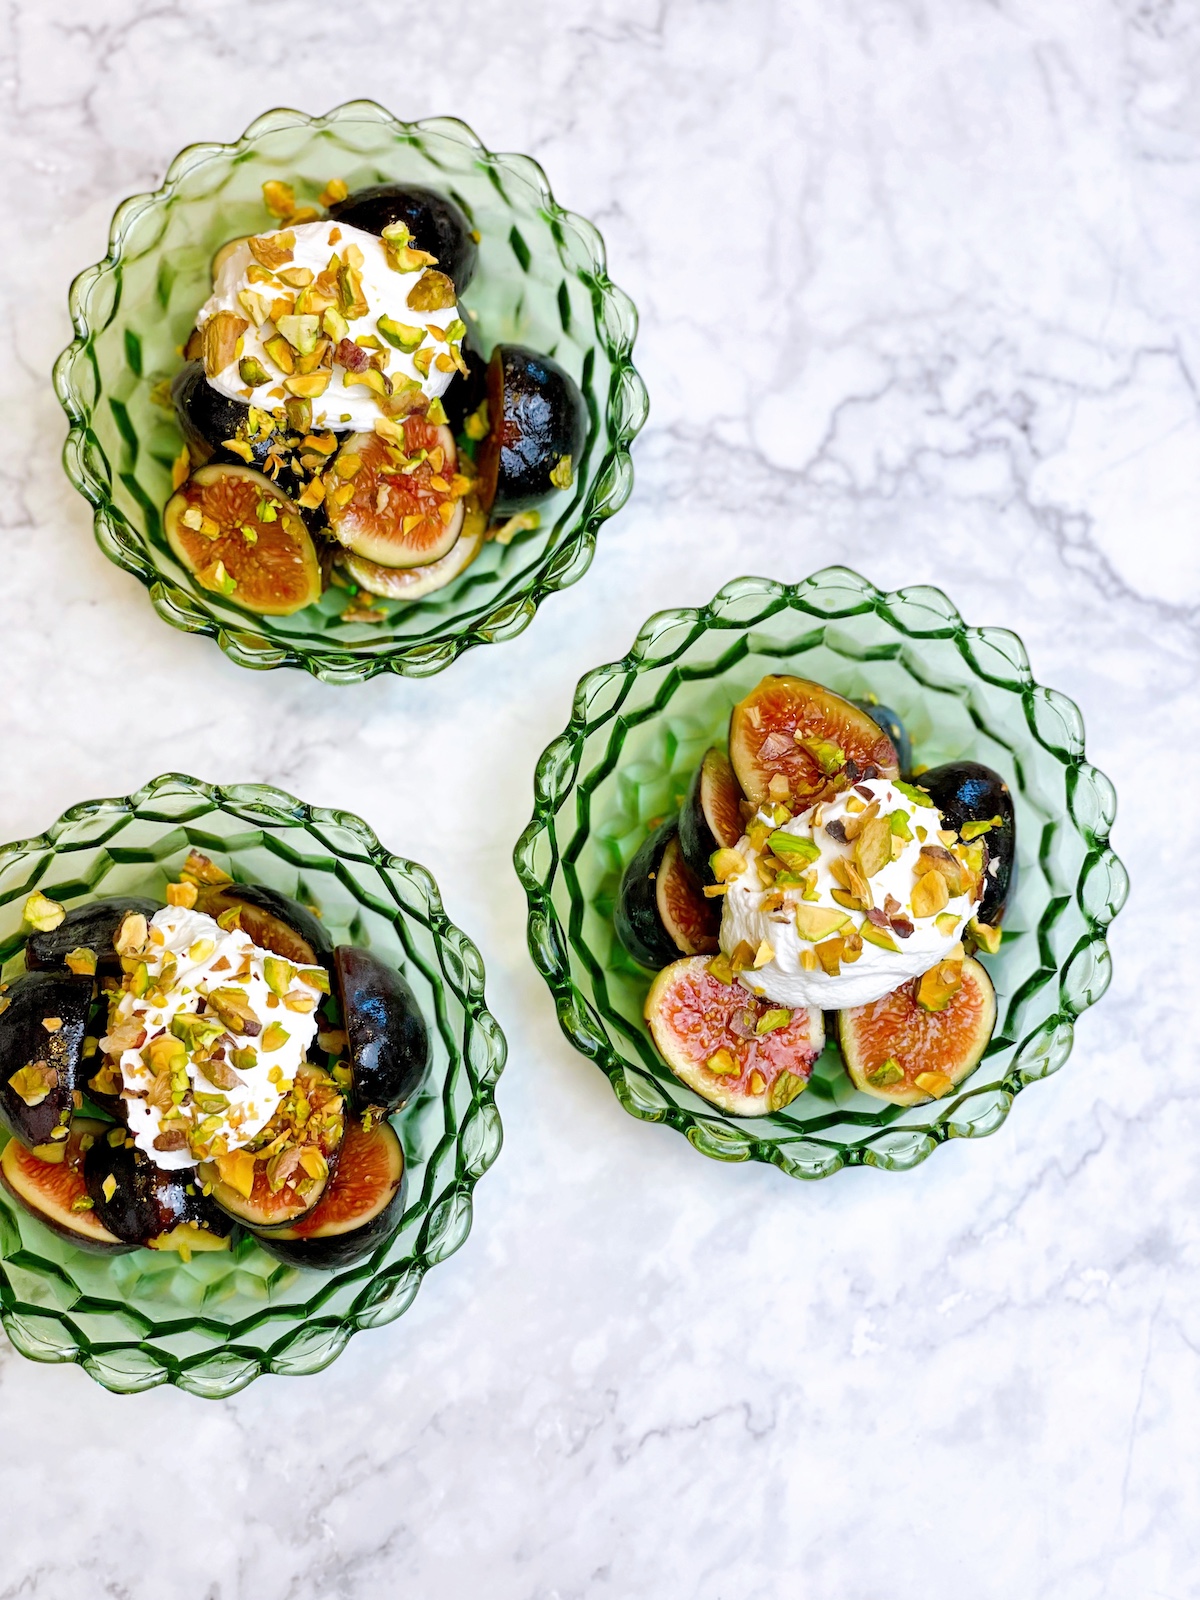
x: 541, y: 281
x: 215, y: 1323
x: 637, y: 732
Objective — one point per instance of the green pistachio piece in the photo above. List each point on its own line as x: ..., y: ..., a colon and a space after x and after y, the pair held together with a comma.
x: 400, y: 335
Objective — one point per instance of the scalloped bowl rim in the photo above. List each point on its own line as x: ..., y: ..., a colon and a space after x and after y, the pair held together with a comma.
x: 176, y: 1369
x: 243, y: 645
x: 555, y: 966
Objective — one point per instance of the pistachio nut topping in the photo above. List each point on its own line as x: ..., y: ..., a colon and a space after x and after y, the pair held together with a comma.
x: 847, y: 901
x: 332, y: 316
x: 192, y: 1034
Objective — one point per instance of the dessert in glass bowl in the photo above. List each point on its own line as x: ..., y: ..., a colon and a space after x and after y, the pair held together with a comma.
x: 804, y: 875
x: 341, y: 425
x: 170, y: 1074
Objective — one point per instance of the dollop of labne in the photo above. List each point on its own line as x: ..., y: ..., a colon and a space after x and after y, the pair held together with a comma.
x: 844, y: 903
x: 283, y: 303
x: 209, y: 1030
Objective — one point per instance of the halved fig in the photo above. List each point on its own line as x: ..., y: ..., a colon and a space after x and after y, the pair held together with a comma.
x: 143, y: 1204
x: 272, y: 1182
x: 897, y: 1050
x: 810, y: 740
x: 661, y: 911
x: 43, y: 1023
x: 893, y: 726
x: 90, y: 926
x: 386, y: 1035
x: 711, y: 816
x: 358, y: 1211
x: 244, y: 539
x: 741, y: 1053
x: 403, y: 510
x: 49, y: 1183
x: 437, y: 224
x: 414, y: 583
x: 538, y: 426
x: 273, y: 921
x: 977, y: 804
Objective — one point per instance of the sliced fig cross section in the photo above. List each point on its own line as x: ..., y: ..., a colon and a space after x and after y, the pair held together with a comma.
x: 806, y: 738
x: 895, y: 1049
x: 397, y: 505
x: 661, y: 912
x: 50, y: 1184
x: 358, y: 1211
x: 711, y: 817
x: 273, y: 921
x: 244, y: 539
x: 743, y: 1054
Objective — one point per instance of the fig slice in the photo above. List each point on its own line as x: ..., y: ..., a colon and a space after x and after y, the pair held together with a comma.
x: 264, y: 1193
x: 896, y: 1050
x: 51, y: 1187
x: 273, y: 921
x: 538, y: 428
x: 711, y: 817
x: 708, y: 1033
x: 804, y: 735
x: 437, y: 223
x: 892, y: 724
x: 43, y: 1022
x: 386, y: 1035
x: 977, y: 804
x: 244, y: 539
x: 414, y: 583
x: 360, y: 1208
x: 661, y: 912
x: 90, y: 926
x: 402, y: 509
x: 141, y: 1203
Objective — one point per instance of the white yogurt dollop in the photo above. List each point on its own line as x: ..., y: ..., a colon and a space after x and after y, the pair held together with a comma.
x: 245, y: 288
x: 752, y: 913
x: 207, y: 958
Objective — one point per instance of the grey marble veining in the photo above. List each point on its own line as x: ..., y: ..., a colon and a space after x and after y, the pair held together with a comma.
x: 918, y: 293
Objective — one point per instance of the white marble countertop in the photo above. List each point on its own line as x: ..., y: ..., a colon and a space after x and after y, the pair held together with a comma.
x: 918, y: 283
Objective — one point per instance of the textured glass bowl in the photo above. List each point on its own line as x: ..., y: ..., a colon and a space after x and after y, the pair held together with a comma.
x: 215, y: 1323
x: 637, y: 733
x: 541, y: 281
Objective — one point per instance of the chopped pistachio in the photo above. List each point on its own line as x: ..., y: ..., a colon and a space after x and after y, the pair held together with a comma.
x: 279, y: 198
x: 818, y: 922
x: 778, y: 1017
x: 829, y: 757
x: 721, y: 969
x: 43, y: 913
x: 786, y: 1088
x: 109, y: 1186
x: 562, y: 473
x: 789, y: 846
x: 722, y: 1063
x: 274, y: 1037
x: 82, y: 962
x: 934, y: 1084
x: 252, y: 372
x: 886, y: 1075
x: 32, y: 1083
x: 182, y: 894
